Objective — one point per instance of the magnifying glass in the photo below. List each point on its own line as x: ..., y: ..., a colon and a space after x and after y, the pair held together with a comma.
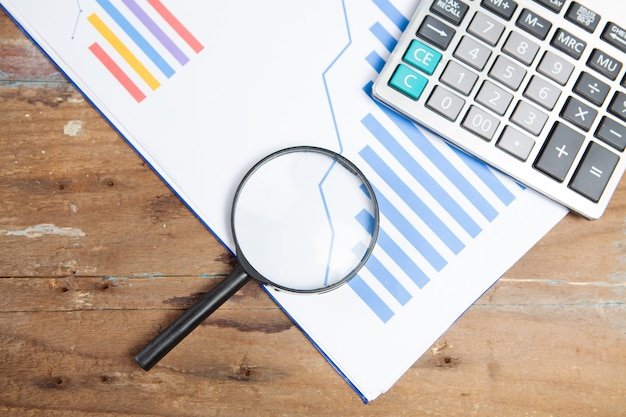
x: 304, y: 220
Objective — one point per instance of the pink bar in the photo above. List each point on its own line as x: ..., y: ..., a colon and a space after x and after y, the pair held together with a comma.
x: 117, y: 72
x: 176, y: 25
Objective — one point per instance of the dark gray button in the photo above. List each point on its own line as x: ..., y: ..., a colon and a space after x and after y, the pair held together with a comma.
x: 604, y: 64
x: 579, y: 113
x: 554, y: 5
x: 615, y: 35
x: 503, y: 8
x: 568, y: 43
x: 618, y: 106
x: 451, y: 10
x: 534, y: 24
x: 583, y: 17
x: 594, y: 171
x: 612, y: 133
x: 436, y: 32
x: 559, y: 151
x: 591, y: 88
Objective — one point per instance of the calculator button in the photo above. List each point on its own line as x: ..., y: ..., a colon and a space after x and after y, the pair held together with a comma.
x: 408, y: 82
x: 579, y: 113
x: 553, y: 5
x: 494, y: 98
x: 556, y: 68
x: 583, y: 17
x: 612, y: 133
x: 591, y: 88
x: 502, y: 8
x: 568, y: 43
x: 520, y: 48
x: 422, y: 57
x: 436, y: 32
x: 445, y: 103
x: 472, y: 53
x: 451, y: 10
x: 486, y: 28
x: 529, y: 118
x: 542, y: 92
x: 515, y: 143
x: 594, y: 171
x: 534, y: 24
x: 459, y: 78
x: 507, y: 72
x: 615, y: 35
x: 604, y: 64
x: 559, y: 151
x: 618, y: 106
x: 480, y: 123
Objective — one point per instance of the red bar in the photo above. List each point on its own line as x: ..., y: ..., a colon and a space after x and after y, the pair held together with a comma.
x: 117, y: 72
x: 176, y: 25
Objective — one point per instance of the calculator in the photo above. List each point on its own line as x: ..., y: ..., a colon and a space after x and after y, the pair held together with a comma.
x: 535, y: 88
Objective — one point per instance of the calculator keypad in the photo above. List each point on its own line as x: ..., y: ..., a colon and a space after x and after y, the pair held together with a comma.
x: 543, y: 82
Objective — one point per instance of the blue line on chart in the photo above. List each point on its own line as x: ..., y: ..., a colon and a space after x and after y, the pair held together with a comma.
x: 80, y: 12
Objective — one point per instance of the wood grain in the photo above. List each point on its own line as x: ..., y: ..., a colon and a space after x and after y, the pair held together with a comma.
x: 97, y: 255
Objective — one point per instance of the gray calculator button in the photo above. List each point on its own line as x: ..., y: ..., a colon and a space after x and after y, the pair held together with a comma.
x: 554, y: 5
x: 472, y: 53
x: 507, y: 72
x: 555, y: 68
x: 534, y: 24
x: 612, y: 133
x: 436, y: 32
x: 568, y: 43
x: 591, y: 88
x: 618, y: 106
x: 594, y: 171
x: 579, y: 113
x: 559, y: 151
x: 529, y: 118
x: 520, y: 48
x: 604, y: 64
x: 458, y: 78
x: 515, y: 143
x: 494, y: 98
x: 486, y: 28
x: 583, y: 17
x: 481, y: 123
x: 542, y: 92
x: 503, y: 8
x: 445, y: 103
x: 453, y: 11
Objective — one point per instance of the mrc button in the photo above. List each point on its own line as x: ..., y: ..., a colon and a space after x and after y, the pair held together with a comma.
x: 615, y: 35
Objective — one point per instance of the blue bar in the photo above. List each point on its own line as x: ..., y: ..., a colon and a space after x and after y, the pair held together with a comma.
x: 409, y: 267
x: 139, y: 40
x: 413, y: 201
x: 422, y: 176
x: 388, y: 280
x: 386, y: 38
x: 416, y: 239
x: 487, y: 175
x: 370, y: 298
x: 392, y: 13
x: 375, y: 61
x: 444, y: 165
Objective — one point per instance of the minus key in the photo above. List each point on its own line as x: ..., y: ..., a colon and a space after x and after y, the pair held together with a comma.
x: 612, y: 133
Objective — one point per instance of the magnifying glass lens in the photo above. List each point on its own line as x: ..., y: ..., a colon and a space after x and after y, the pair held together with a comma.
x: 301, y: 220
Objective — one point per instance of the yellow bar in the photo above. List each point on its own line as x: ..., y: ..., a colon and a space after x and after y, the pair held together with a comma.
x: 121, y: 49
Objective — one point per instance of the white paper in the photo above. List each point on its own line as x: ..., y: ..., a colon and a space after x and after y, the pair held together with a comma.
x: 281, y: 73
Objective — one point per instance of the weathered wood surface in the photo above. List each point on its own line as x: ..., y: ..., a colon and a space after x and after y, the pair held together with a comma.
x: 96, y: 255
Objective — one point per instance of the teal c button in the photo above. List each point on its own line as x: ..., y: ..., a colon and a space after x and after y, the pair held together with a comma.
x: 408, y: 82
x: 422, y: 57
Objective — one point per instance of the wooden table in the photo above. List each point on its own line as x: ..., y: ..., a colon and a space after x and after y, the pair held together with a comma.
x: 97, y: 255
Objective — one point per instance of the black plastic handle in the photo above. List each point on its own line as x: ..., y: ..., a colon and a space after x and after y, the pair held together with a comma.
x: 154, y: 351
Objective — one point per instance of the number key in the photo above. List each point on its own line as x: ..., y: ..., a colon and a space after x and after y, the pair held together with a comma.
x: 555, y: 68
x: 542, y: 92
x: 520, y: 48
x: 472, y: 53
x: 481, y: 123
x: 494, y: 97
x: 486, y: 29
x: 458, y: 78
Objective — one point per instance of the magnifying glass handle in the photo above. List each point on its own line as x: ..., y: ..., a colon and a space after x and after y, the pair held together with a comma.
x: 154, y: 351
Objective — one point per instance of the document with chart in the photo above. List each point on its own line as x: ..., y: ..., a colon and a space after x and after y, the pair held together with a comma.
x: 203, y: 90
